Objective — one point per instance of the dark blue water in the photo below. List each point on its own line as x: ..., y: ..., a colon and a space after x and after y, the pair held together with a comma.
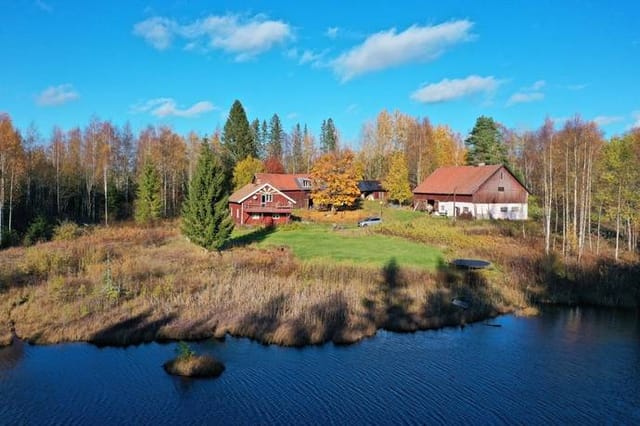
x: 567, y: 366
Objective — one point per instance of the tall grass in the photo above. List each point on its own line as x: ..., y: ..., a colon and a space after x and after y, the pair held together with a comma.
x: 125, y: 284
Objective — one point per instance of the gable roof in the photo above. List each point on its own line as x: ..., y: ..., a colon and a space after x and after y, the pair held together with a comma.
x: 251, y: 188
x: 458, y: 179
x: 370, y: 186
x: 283, y: 181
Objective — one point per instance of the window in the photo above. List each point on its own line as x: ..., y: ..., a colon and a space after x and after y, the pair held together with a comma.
x: 306, y: 183
x: 504, y: 209
x: 501, y: 189
x: 267, y: 198
x: 255, y: 216
x: 501, y: 175
x: 276, y: 216
x: 515, y: 209
x: 465, y: 210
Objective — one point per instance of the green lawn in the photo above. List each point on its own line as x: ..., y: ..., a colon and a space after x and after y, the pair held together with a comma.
x: 357, y: 246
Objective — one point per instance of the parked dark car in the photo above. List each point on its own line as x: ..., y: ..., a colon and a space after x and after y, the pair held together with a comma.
x: 369, y: 221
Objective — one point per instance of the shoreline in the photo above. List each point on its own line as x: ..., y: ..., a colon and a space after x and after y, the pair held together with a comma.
x: 345, y: 337
x: 127, y: 285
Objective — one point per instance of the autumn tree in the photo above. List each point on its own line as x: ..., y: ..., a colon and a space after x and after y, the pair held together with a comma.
x: 273, y: 165
x: 245, y: 170
x: 335, y: 180
x: 397, y: 181
x: 11, y: 166
x: 148, y: 203
x: 205, y: 215
x: 308, y: 150
x: 237, y: 136
x: 485, y: 144
x: 297, y: 156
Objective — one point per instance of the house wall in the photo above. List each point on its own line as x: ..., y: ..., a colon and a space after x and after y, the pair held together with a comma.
x: 509, y: 211
x: 241, y: 217
x: 513, y: 192
x: 301, y: 198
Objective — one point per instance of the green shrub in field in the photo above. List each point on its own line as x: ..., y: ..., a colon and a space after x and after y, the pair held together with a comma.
x: 66, y: 230
x: 37, y: 231
x: 184, y: 351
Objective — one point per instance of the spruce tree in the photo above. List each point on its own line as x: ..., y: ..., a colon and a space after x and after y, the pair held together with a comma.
x: 237, y: 136
x: 485, y: 144
x: 276, y: 138
x: 328, y: 136
x: 205, y: 214
x: 148, y: 203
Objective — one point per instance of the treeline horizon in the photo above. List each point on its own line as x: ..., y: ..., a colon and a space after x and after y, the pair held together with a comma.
x: 579, y: 179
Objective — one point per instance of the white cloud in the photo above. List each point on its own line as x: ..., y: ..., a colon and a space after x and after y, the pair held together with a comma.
x: 389, y: 48
x: 537, y: 85
x: 306, y: 56
x: 604, y: 120
x: 156, y: 31
x: 332, y: 32
x: 57, y: 95
x: 636, y: 117
x: 352, y: 108
x: 447, y: 90
x: 167, y: 107
x: 292, y: 116
x: 244, y: 37
x: 576, y: 86
x: 525, y: 97
x: 45, y: 7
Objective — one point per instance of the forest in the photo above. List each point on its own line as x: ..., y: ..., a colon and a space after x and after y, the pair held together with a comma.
x: 584, y: 188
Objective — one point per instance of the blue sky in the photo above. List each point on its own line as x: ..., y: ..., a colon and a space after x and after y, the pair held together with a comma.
x: 183, y: 63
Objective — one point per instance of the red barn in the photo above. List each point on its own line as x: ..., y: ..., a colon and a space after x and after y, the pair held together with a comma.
x: 264, y: 204
x: 484, y: 192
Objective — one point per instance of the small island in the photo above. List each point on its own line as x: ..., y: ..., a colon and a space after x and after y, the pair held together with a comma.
x: 189, y: 364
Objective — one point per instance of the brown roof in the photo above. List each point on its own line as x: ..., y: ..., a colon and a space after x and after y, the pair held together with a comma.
x: 283, y: 181
x: 457, y: 179
x: 243, y: 193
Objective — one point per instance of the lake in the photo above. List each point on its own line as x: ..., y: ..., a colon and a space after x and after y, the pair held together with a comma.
x: 566, y: 366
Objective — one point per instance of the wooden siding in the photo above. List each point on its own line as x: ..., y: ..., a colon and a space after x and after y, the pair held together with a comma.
x: 253, y: 211
x: 489, y: 192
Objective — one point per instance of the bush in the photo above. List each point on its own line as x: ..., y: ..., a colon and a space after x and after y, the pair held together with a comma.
x: 9, y: 238
x: 66, y: 231
x: 38, y: 231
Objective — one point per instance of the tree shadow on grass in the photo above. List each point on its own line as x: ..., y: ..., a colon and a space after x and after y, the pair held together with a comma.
x: 255, y: 236
x: 138, y: 329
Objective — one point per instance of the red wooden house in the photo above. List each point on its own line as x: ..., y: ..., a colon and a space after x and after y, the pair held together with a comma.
x: 483, y: 192
x: 295, y: 186
x: 264, y: 204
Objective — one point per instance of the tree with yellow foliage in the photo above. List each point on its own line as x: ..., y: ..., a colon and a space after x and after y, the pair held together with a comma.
x: 335, y: 180
x: 244, y: 171
x: 397, y: 181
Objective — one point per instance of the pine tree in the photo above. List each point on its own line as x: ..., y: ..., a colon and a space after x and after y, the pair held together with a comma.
x: 148, y: 204
x: 205, y: 215
x: 276, y: 138
x: 485, y: 143
x: 328, y: 136
x: 397, y: 180
x: 297, y: 159
x: 237, y: 136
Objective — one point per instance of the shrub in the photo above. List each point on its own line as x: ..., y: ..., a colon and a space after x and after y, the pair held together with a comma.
x: 184, y: 351
x: 37, y: 231
x: 66, y: 231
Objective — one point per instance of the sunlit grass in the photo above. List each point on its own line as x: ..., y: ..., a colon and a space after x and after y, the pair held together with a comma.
x: 358, y: 246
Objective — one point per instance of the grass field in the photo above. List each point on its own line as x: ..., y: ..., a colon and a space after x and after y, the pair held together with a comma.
x: 354, y: 246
